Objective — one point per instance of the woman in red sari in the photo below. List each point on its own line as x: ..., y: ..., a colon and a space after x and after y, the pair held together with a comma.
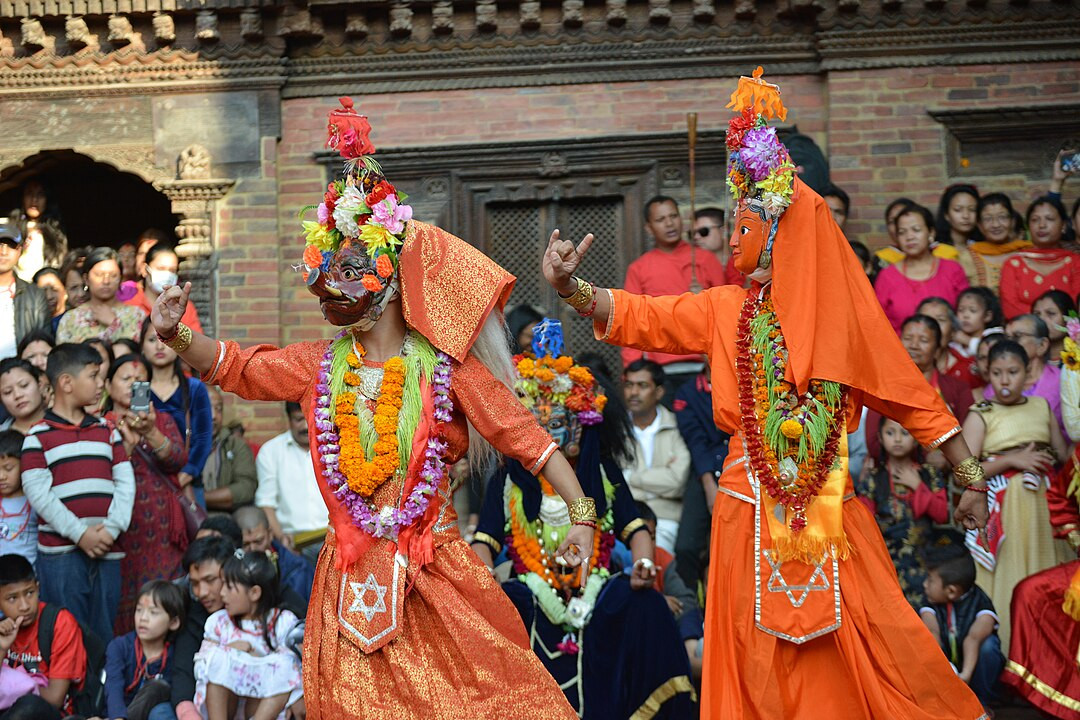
x: 1046, y: 266
x: 805, y: 617
x: 404, y: 621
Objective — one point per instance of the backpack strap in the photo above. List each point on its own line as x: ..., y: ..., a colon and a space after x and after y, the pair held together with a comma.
x: 46, y: 629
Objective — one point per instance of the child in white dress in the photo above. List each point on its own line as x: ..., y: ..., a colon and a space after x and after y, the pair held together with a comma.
x: 245, y: 656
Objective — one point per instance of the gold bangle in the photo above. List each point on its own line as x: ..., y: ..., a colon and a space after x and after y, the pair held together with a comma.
x: 968, y: 472
x: 582, y: 297
x: 181, y: 341
x: 582, y: 510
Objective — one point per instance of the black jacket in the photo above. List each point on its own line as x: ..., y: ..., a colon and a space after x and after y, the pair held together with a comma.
x: 31, y: 309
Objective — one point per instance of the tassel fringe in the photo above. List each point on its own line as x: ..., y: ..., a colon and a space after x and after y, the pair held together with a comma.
x: 811, y: 550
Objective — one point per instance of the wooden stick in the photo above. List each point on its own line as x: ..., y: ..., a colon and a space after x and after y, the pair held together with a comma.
x: 691, y: 130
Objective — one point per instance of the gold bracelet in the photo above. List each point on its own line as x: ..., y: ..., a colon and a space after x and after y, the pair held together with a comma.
x: 582, y: 297
x: 968, y: 472
x: 582, y: 510
x: 181, y: 341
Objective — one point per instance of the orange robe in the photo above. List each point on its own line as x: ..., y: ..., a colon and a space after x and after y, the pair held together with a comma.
x: 859, y: 650
x: 459, y: 648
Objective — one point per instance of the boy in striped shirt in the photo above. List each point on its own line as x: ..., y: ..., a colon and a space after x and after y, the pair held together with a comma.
x: 78, y: 478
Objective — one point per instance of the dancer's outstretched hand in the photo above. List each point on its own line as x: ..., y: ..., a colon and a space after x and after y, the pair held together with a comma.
x: 561, y: 260
x: 578, y: 546
x: 971, y: 511
x: 169, y: 308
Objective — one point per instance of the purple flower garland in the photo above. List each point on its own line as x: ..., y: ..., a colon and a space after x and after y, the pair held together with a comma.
x: 389, y: 521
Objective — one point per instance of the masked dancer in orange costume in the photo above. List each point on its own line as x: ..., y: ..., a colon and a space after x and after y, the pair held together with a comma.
x: 404, y: 620
x: 805, y: 618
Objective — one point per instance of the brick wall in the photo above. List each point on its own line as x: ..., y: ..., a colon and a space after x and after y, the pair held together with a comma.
x: 882, y: 144
x: 249, y: 303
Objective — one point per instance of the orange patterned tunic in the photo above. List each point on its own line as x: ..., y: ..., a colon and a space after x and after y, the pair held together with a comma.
x: 387, y: 638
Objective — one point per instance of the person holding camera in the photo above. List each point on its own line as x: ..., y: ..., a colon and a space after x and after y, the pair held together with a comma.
x: 1066, y: 163
x: 158, y: 531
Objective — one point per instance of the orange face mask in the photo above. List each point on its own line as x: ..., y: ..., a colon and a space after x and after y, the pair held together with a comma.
x: 749, y: 239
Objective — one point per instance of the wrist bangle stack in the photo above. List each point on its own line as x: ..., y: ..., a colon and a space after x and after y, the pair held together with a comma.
x: 972, y: 488
x: 968, y: 472
x: 180, y: 340
x: 582, y: 510
x: 586, y: 523
x: 164, y: 444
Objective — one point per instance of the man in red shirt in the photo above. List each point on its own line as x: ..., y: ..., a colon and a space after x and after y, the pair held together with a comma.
x: 672, y: 267
x: 63, y: 673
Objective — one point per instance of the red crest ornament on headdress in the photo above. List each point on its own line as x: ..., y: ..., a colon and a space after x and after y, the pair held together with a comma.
x: 348, y: 131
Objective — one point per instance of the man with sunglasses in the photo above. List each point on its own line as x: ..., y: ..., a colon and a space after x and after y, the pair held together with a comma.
x: 672, y: 267
x: 710, y: 234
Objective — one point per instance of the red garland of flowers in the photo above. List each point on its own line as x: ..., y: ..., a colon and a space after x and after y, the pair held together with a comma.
x: 796, y: 502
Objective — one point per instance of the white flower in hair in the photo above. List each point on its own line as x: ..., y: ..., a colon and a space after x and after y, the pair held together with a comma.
x: 346, y: 209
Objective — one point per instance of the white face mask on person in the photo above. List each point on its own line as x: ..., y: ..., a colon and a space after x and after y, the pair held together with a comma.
x: 161, y: 279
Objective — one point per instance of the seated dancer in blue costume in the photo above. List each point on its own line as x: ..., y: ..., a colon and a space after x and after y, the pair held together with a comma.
x: 578, y: 618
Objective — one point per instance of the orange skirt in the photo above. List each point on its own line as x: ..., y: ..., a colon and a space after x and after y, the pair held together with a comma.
x: 462, y: 653
x: 881, y: 662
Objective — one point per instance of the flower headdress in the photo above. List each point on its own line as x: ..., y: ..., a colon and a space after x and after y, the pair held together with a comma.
x: 546, y: 373
x: 761, y: 175
x: 361, y: 207
x: 1070, y: 353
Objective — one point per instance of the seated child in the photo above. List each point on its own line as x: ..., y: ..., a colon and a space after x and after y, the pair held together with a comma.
x: 245, y: 655
x: 47, y: 643
x: 962, y: 618
x: 135, y: 660
x: 18, y: 521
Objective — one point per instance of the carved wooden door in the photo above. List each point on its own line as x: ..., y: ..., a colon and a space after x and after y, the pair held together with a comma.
x: 516, y: 234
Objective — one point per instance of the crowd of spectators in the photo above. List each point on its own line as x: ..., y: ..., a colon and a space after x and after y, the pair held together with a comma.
x: 113, y: 576
x: 131, y: 535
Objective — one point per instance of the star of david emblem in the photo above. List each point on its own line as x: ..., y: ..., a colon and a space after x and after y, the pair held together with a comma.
x: 361, y: 591
x: 818, y: 581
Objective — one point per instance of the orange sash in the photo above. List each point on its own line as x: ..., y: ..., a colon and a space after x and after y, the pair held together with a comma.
x: 797, y: 578
x: 824, y: 531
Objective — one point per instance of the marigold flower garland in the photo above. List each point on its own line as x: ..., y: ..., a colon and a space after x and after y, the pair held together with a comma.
x: 365, y: 476
x: 791, y: 441
x: 563, y: 383
x: 388, y: 521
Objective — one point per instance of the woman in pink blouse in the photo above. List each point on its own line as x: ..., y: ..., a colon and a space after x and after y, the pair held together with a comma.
x: 919, y: 275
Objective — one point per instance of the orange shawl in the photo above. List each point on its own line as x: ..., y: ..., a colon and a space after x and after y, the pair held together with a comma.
x: 448, y: 288
x: 832, y: 322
